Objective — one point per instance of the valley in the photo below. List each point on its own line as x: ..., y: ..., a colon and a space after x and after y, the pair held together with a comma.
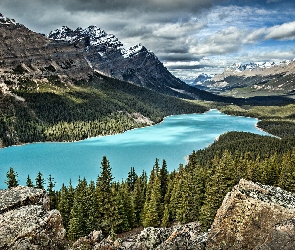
x: 79, y: 95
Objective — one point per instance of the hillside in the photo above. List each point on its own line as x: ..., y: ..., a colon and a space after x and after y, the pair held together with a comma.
x: 255, y: 79
x: 138, y: 65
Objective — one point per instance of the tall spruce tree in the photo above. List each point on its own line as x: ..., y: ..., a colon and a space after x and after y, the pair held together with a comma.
x: 153, y: 208
x: 66, y: 199
x: 78, y: 216
x: 220, y: 183
x: 105, y: 197
x: 51, y: 193
x: 39, y: 181
x: 29, y: 182
x: 131, y: 179
x: 11, y: 176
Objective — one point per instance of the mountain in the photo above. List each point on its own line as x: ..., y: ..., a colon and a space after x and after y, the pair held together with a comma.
x: 24, y: 51
x: 106, y: 54
x: 49, y: 92
x: 253, y: 79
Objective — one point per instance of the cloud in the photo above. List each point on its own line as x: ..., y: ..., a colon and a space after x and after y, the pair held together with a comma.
x: 281, y: 32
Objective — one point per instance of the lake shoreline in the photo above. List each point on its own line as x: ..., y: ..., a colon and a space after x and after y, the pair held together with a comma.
x: 155, y: 124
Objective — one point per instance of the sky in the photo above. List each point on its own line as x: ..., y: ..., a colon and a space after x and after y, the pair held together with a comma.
x: 189, y: 36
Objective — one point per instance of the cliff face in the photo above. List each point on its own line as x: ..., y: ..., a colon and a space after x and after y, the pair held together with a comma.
x: 36, y: 56
x: 254, y: 216
x: 26, y: 222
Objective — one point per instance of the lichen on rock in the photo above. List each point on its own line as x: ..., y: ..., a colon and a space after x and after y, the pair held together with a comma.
x: 249, y: 215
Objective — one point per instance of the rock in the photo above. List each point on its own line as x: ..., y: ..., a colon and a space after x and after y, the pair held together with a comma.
x: 254, y: 216
x: 188, y: 236
x: 88, y: 242
x: 26, y: 223
x: 22, y: 196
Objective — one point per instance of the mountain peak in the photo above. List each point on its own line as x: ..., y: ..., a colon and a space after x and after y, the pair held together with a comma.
x: 133, y: 50
x: 92, y: 35
x: 5, y: 20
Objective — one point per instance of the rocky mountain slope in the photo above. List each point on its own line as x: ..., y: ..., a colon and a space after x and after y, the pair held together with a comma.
x: 267, y: 78
x: 252, y: 216
x: 34, y: 55
x: 106, y: 54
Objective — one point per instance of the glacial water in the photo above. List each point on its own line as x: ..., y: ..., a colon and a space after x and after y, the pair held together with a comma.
x: 173, y: 140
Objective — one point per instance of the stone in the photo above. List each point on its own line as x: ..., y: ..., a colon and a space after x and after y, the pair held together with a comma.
x: 253, y: 216
x: 22, y: 196
x: 26, y: 223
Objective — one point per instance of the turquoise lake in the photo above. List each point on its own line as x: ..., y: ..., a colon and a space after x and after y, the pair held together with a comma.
x: 173, y: 140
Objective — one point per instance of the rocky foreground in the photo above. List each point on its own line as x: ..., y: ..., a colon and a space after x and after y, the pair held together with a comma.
x: 252, y: 216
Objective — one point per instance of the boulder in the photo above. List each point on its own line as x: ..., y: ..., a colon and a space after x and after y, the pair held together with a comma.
x: 26, y: 223
x: 254, y: 216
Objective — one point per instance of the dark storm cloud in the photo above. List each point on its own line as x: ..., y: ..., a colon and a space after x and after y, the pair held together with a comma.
x: 147, y: 5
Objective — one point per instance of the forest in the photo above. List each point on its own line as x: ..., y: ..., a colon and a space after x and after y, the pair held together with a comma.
x: 193, y: 192
x: 58, y: 111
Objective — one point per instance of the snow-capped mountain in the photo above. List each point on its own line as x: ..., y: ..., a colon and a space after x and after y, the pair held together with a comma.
x: 93, y: 37
x: 239, y: 67
x: 202, y: 78
x: 107, y: 55
x: 6, y: 20
x: 265, y: 77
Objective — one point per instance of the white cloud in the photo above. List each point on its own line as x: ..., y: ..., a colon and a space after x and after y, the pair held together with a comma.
x: 282, y: 32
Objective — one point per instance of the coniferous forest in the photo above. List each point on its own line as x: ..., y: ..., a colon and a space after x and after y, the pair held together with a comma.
x: 193, y: 192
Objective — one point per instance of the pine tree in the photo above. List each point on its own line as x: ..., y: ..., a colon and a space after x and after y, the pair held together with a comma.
x: 220, y: 183
x: 78, y: 216
x: 138, y: 198
x: 11, y: 176
x: 131, y: 179
x: 66, y: 198
x: 51, y: 193
x: 105, y: 196
x: 287, y: 174
x: 91, y: 208
x: 164, y: 180
x: 153, y: 209
x: 39, y: 181
x: 29, y: 182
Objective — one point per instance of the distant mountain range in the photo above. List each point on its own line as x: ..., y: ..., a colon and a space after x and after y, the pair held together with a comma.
x: 254, y: 79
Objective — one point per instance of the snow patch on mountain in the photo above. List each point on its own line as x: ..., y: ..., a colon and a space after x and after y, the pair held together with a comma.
x: 127, y: 53
x: 239, y: 67
x: 95, y: 37
x: 6, y: 20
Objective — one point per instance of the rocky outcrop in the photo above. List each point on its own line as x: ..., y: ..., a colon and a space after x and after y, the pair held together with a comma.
x: 26, y: 222
x: 254, y: 216
x: 33, y: 55
x: 181, y: 237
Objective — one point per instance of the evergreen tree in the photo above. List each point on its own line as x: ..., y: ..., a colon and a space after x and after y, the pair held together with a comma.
x: 153, y: 209
x: 11, y: 176
x: 131, y: 179
x: 29, y: 182
x: 105, y: 197
x: 221, y: 182
x: 91, y: 208
x: 138, y: 198
x: 78, y: 216
x: 51, y: 193
x: 287, y: 174
x: 66, y: 198
x: 164, y: 180
x: 39, y: 181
